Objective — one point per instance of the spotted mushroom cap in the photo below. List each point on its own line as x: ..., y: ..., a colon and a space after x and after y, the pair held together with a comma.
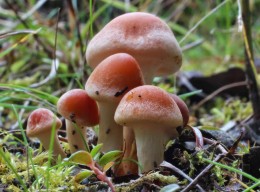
x: 148, y: 103
x: 114, y: 77
x: 77, y: 106
x: 41, y: 121
x: 144, y: 36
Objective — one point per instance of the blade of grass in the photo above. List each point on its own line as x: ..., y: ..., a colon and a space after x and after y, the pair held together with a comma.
x: 25, y: 38
x: 202, y: 20
x: 120, y: 5
x: 186, y: 95
x: 94, y: 17
x: 2, y: 154
x: 232, y: 169
x: 39, y: 93
x: 7, y: 105
x: 20, y: 32
x: 81, y: 137
x: 252, y: 187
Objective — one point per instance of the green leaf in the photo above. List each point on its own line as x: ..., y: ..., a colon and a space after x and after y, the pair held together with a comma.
x: 96, y: 149
x: 81, y: 157
x: 170, y: 188
x: 83, y: 175
x: 109, y: 156
x: 108, y: 166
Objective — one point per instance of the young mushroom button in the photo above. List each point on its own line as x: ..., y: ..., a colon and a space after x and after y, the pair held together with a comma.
x: 154, y: 117
x: 107, y: 84
x: 40, y: 124
x: 183, y: 108
x: 144, y: 36
x: 80, y: 111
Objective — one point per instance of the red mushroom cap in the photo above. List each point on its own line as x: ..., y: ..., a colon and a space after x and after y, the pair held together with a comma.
x: 41, y: 121
x: 76, y: 106
x: 144, y: 36
x: 114, y: 77
x: 148, y: 103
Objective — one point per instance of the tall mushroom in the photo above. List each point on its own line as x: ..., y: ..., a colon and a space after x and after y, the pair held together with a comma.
x: 80, y: 111
x: 107, y: 84
x: 154, y: 117
x: 144, y: 36
x: 40, y: 124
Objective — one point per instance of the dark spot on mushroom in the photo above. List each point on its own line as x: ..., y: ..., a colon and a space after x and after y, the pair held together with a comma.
x: 108, y: 131
x: 75, y: 146
x: 73, y: 132
x: 154, y: 164
x: 72, y: 117
x: 97, y: 92
x: 121, y: 92
x: 139, y: 96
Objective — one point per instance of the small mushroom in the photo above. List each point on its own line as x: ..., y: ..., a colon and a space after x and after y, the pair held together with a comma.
x: 80, y: 111
x: 144, y: 36
x: 107, y: 84
x: 154, y: 117
x: 40, y: 124
x: 183, y: 108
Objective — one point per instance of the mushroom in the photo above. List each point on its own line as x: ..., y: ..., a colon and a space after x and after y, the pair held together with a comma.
x: 144, y: 36
x: 40, y: 124
x: 80, y: 111
x: 183, y: 108
x: 154, y: 116
x: 128, y: 165
x: 107, y: 84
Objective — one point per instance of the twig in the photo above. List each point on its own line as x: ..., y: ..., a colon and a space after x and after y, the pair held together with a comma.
x: 213, y: 94
x: 180, y: 172
x: 218, y: 145
x: 199, y: 176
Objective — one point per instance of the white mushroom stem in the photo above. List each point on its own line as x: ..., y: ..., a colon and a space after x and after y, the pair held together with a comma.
x: 150, y: 140
x: 128, y: 166
x: 45, y: 140
x: 110, y: 133
x: 148, y: 77
x: 76, y: 136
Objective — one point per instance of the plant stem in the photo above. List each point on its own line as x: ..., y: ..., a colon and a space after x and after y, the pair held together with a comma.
x: 250, y: 67
x: 251, y: 73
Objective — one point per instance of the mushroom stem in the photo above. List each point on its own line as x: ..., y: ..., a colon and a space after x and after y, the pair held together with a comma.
x: 147, y: 71
x: 151, y: 141
x: 127, y: 166
x: 57, y: 149
x: 110, y: 133
x: 76, y: 136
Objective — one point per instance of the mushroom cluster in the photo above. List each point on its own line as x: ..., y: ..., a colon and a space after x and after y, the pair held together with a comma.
x: 133, y: 115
